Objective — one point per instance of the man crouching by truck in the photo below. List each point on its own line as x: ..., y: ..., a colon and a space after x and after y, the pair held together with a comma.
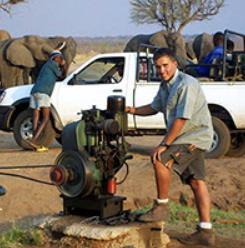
x: 189, y: 133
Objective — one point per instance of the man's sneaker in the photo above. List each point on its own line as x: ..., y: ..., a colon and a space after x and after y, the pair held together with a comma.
x: 2, y: 190
x: 200, y: 237
x: 159, y: 212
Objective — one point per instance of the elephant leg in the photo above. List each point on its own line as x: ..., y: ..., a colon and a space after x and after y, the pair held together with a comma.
x: 33, y: 75
x: 7, y: 79
x: 12, y: 76
x: 6, y: 83
x: 26, y: 73
x: 18, y: 76
x: 35, y: 71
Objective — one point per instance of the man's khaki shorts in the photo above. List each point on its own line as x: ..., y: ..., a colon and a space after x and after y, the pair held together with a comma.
x: 39, y: 100
x: 188, y: 161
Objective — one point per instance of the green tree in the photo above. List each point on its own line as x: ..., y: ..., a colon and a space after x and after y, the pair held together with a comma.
x: 6, y: 5
x: 173, y: 15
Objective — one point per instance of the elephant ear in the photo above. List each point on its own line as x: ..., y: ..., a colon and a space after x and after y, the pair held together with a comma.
x: 17, y: 54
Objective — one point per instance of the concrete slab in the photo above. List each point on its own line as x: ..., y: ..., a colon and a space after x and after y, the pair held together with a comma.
x: 75, y: 229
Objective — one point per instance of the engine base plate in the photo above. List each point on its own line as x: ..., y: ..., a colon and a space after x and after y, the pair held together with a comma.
x: 103, y: 206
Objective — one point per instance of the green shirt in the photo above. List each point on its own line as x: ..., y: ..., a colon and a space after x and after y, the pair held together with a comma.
x: 182, y: 97
x: 47, y: 77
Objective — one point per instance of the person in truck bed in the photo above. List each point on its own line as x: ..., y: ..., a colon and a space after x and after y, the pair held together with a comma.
x: 216, y: 53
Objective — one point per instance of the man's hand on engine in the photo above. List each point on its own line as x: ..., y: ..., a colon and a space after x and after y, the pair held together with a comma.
x: 156, y: 153
x: 130, y: 110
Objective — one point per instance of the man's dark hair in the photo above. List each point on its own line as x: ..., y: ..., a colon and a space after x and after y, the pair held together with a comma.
x: 164, y: 52
x: 218, y: 39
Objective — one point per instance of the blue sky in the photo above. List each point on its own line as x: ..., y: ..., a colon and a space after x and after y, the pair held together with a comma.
x: 95, y: 18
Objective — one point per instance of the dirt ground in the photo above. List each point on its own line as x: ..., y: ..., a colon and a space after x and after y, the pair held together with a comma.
x: 28, y: 201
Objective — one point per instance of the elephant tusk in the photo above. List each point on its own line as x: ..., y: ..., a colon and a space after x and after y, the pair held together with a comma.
x: 62, y: 46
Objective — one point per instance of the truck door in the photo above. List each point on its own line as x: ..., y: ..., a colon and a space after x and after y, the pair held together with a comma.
x: 147, y: 85
x: 91, y: 86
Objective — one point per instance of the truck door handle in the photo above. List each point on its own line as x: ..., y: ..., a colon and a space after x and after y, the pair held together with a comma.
x: 117, y: 90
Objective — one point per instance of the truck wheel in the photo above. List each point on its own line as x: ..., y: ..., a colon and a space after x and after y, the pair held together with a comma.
x: 237, y: 147
x: 23, y: 130
x: 221, y: 140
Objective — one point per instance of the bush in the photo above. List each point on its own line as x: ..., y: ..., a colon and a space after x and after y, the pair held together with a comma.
x: 16, y: 237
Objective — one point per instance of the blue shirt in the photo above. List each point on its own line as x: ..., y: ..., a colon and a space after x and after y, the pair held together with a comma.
x: 216, y: 53
x: 47, y: 77
x: 182, y: 97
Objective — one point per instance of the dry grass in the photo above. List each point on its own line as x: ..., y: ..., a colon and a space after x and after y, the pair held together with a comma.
x: 80, y: 59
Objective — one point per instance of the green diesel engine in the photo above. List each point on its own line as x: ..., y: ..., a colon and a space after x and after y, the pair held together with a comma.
x: 93, y: 151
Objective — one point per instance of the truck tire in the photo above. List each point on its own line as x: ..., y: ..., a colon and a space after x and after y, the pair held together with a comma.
x: 221, y: 141
x: 237, y: 147
x: 23, y: 129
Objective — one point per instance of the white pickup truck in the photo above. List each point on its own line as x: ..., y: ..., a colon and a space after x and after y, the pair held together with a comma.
x: 132, y: 75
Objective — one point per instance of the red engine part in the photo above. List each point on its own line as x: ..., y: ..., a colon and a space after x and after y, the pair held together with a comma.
x: 57, y: 176
x: 112, y: 185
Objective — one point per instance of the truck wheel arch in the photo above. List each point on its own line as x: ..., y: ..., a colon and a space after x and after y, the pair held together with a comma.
x: 20, y: 106
x: 22, y: 130
x: 23, y: 104
x: 221, y: 139
x: 223, y: 123
x: 222, y: 114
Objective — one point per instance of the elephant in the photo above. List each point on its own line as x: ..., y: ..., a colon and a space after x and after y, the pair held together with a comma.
x: 161, y: 39
x: 4, y: 35
x: 134, y: 43
x: 190, y: 52
x: 22, y: 58
x: 202, y: 45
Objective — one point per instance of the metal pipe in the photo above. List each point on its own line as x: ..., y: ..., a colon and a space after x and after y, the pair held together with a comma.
x: 26, y: 178
x: 25, y: 167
